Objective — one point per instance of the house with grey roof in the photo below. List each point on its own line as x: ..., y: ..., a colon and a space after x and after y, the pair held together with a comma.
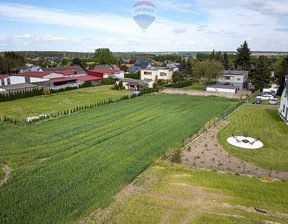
x: 283, y: 109
x: 238, y: 79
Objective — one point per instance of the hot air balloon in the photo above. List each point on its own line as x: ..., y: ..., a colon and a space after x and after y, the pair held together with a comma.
x: 144, y: 13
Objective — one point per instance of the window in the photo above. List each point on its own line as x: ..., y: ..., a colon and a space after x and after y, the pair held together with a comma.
x: 162, y: 74
x: 27, y: 79
x: 227, y: 77
x: 283, y: 108
x: 238, y: 79
x: 147, y: 73
x: 8, y: 81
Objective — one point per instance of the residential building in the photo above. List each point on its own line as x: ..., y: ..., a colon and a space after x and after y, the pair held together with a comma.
x: 133, y: 84
x: 238, y: 79
x: 138, y: 65
x: 105, y: 73
x: 30, y: 67
x: 69, y: 71
x: 283, y: 110
x: 156, y: 73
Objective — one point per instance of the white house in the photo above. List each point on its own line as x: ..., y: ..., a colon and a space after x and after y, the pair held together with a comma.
x: 238, y: 79
x: 283, y: 109
x: 221, y: 89
x: 156, y: 73
x: 30, y: 67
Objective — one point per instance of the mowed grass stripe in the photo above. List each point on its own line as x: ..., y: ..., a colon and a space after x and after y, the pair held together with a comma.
x: 78, y: 178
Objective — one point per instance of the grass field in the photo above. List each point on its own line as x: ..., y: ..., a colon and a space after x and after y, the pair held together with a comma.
x: 263, y: 122
x: 34, y: 106
x: 195, y: 86
x: 167, y: 193
x: 66, y: 167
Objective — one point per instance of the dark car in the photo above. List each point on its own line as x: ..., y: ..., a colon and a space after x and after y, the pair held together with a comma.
x: 257, y: 101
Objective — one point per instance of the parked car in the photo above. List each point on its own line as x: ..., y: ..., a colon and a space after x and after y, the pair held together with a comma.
x: 257, y: 101
x: 266, y: 97
x: 274, y: 101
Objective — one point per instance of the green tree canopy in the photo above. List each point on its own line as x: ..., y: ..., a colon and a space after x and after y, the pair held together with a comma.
x: 11, y: 60
x: 243, y: 59
x: 281, y: 69
x: 261, y: 74
x: 103, y: 56
x: 208, y: 70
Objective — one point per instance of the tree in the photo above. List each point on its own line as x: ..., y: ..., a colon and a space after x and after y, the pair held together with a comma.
x: 243, y: 59
x: 76, y: 61
x: 226, y: 61
x: 261, y: 74
x: 143, y: 86
x: 104, y: 56
x: 208, y: 70
x: 11, y: 60
x: 202, y: 56
x: 219, y: 57
x: 212, y: 55
x: 185, y: 68
x: 281, y: 69
x: 124, y: 68
x: 177, y: 76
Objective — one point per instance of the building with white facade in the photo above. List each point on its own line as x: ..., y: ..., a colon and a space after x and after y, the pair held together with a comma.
x: 156, y: 73
x: 283, y: 110
x: 238, y: 79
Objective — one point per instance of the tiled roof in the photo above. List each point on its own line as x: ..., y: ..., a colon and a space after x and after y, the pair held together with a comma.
x: 4, y: 76
x: 34, y: 74
x: 88, y: 78
x: 102, y: 71
x: 70, y: 72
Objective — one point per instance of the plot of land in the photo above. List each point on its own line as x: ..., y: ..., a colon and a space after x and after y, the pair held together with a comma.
x: 167, y: 193
x: 34, y: 106
x: 263, y: 122
x: 66, y: 167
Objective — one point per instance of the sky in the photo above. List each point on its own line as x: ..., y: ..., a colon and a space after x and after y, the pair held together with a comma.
x: 179, y: 25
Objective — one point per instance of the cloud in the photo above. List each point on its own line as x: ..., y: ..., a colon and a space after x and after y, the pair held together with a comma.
x: 179, y: 30
x: 179, y: 6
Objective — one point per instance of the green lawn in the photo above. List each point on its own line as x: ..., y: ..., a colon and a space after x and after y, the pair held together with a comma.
x: 34, y: 106
x: 263, y: 122
x: 167, y: 193
x: 66, y: 167
x: 195, y: 86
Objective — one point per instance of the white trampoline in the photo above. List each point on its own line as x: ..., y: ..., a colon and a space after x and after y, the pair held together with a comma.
x: 245, y: 142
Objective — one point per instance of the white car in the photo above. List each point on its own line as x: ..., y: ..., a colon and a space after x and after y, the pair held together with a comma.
x: 266, y: 97
x: 274, y: 101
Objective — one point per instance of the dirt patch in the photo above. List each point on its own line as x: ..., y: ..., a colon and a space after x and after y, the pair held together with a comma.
x: 6, y: 170
x: 207, y: 153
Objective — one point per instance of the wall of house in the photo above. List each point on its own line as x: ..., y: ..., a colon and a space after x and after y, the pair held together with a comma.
x: 115, y: 75
x: 53, y: 76
x: 154, y: 75
x: 283, y: 109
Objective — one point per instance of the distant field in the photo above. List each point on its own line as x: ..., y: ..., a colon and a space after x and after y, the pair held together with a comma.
x: 66, y: 167
x: 263, y: 122
x: 167, y: 193
x: 195, y: 86
x: 34, y: 106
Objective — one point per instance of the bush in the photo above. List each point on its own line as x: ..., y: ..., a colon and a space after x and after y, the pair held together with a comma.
x: 180, y: 84
x: 108, y: 81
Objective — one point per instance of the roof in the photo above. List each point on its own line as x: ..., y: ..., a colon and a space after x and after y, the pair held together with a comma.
x: 70, y: 72
x: 4, y: 76
x: 64, y: 79
x: 133, y: 84
x: 63, y: 68
x: 102, y: 71
x: 114, y: 66
x: 232, y: 72
x: 87, y: 78
x: 34, y: 74
x: 222, y: 87
x: 157, y: 68
x: 99, y: 67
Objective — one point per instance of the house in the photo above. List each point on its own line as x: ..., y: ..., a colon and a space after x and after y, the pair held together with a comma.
x: 30, y: 67
x: 99, y: 67
x: 221, y: 89
x: 174, y: 66
x: 156, y: 73
x: 283, y: 109
x: 238, y: 79
x: 69, y: 71
x: 105, y: 73
x: 133, y: 84
x: 138, y: 65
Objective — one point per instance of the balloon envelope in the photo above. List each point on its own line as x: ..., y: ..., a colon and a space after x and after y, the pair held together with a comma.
x: 144, y: 13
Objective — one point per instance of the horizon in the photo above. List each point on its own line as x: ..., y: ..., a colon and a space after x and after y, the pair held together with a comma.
x: 179, y: 26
